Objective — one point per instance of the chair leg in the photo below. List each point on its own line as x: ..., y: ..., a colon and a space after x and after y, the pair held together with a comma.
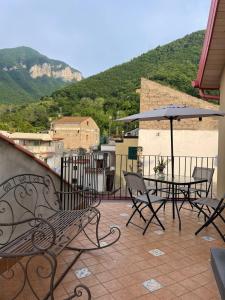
x: 135, y: 210
x: 209, y: 221
x: 154, y: 216
x: 181, y: 204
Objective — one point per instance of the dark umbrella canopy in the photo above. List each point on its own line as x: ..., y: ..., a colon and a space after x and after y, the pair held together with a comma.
x: 173, y: 112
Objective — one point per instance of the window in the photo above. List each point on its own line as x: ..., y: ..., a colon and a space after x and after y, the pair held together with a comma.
x: 87, y: 137
x: 35, y: 143
x: 132, y: 153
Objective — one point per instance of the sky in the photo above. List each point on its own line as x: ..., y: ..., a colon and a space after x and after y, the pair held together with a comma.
x: 94, y: 35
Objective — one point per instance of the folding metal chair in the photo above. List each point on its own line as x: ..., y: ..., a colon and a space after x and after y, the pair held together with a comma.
x: 201, y: 190
x: 215, y: 208
x: 142, y: 199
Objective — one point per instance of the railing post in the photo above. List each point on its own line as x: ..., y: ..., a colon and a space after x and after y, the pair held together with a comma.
x: 61, y: 182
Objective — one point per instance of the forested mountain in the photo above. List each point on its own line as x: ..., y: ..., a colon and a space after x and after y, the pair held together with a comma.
x: 112, y: 93
x: 26, y: 75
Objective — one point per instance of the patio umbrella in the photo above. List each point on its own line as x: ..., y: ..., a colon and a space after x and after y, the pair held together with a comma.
x: 171, y: 113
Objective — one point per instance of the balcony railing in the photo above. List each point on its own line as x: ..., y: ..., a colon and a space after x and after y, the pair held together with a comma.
x: 103, y: 172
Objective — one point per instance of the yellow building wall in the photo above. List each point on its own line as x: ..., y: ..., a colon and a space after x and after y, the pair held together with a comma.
x: 122, y: 162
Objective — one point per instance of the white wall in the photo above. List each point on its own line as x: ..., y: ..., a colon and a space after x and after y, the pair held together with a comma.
x: 186, y: 143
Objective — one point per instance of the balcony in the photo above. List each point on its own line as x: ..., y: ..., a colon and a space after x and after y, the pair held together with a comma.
x: 183, y: 271
x: 176, y: 262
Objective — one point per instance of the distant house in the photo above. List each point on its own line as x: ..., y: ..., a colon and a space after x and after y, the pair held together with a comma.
x: 77, y: 132
x: 16, y: 160
x: 42, y: 145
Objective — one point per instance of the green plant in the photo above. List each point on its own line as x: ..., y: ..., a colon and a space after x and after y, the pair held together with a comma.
x: 161, y: 164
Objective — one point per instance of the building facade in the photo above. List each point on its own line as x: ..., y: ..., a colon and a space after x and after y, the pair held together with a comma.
x: 211, y: 76
x: 190, y: 135
x: 76, y: 132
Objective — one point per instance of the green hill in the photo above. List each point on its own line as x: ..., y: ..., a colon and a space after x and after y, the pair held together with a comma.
x: 112, y: 93
x: 26, y: 75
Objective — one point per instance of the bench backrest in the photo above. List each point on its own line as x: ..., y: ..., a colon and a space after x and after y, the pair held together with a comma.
x: 23, y: 197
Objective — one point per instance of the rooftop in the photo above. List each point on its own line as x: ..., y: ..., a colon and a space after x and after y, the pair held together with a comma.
x: 118, y: 272
x: 70, y: 120
x: 212, y: 57
x: 30, y: 136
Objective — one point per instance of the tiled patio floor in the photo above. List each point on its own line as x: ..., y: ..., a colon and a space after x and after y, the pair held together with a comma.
x: 118, y: 272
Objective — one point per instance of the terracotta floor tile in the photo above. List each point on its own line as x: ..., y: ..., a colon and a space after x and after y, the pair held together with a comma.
x: 127, y: 280
x: 190, y: 296
x: 178, y: 289
x: 176, y: 275
x: 200, y: 278
x: 123, y: 294
x: 89, y: 281
x: 164, y: 294
x: 204, y: 293
x: 165, y: 280
x: 70, y: 286
x: 190, y: 284
x: 137, y: 290
x: 148, y: 296
x: 113, y: 285
x: 98, y: 291
x: 105, y: 297
x: 105, y: 276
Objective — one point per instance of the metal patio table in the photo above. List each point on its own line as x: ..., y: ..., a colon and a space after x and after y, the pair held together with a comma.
x: 175, y: 181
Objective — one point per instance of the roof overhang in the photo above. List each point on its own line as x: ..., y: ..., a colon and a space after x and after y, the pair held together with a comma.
x: 212, y: 59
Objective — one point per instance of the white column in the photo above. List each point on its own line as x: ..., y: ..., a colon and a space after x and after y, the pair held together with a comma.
x: 221, y: 149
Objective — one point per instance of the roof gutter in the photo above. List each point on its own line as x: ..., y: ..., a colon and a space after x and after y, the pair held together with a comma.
x: 207, y: 96
x: 205, y: 51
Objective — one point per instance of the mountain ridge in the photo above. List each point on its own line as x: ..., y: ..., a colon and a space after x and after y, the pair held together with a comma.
x: 113, y: 93
x: 26, y: 75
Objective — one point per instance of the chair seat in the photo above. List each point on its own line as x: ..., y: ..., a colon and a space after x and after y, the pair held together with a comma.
x: 211, y: 202
x: 192, y: 190
x: 153, y: 198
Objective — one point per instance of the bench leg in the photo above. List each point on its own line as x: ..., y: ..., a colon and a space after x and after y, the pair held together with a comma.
x: 78, y: 292
x: 10, y: 274
x: 43, y: 272
x: 30, y: 270
x: 100, y: 241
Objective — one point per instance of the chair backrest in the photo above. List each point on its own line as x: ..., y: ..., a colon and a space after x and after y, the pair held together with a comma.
x: 200, y: 172
x: 135, y: 181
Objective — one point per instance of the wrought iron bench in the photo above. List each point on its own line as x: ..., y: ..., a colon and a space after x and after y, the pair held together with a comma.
x: 34, y: 230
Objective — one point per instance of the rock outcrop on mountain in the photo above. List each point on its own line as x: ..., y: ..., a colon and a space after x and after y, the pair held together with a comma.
x: 26, y: 75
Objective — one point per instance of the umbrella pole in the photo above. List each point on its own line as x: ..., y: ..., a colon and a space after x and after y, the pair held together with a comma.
x: 171, y: 141
x: 172, y: 162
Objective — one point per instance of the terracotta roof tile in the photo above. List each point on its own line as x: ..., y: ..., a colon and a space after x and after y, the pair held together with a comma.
x: 72, y: 119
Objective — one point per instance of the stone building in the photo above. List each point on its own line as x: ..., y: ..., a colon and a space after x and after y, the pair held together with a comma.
x: 77, y: 132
